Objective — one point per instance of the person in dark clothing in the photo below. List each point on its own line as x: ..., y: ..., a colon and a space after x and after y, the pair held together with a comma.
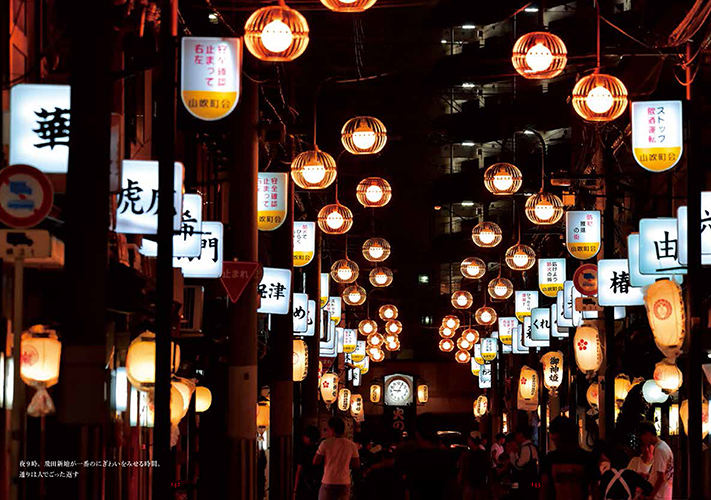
x: 474, y: 470
x: 618, y: 482
x: 308, y: 475
x: 524, y: 465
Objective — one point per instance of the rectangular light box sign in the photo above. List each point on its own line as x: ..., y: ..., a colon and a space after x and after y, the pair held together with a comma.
x: 275, y: 291
x: 187, y: 243
x: 551, y: 276
x: 525, y: 302
x: 657, y: 134
x: 659, y: 247
x: 304, y: 242
x: 301, y: 310
x: 613, y: 284
x: 209, y: 263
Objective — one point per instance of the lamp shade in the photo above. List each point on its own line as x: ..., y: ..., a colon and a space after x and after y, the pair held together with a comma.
x: 462, y: 299
x: 464, y: 344
x: 446, y: 345
x: 40, y: 354
x: 374, y: 192
x: 276, y: 34
x: 313, y: 169
x: 500, y: 288
x: 203, y: 399
x: 471, y: 335
x: 665, y: 312
x: 376, y: 393
x: 653, y: 393
x: 485, y: 316
x: 301, y: 360
x: 520, y: 257
x: 348, y: 5
x: 668, y: 376
x: 486, y: 234
x: 599, y: 98
x: 177, y: 405
x: 364, y: 135
x: 502, y: 179
x: 367, y: 326
x: 539, y: 55
x: 376, y: 354
x: 344, y: 399
x: 528, y: 383
x: 544, y: 209
x: 622, y: 388
x: 380, y: 277
x: 393, y: 326
x: 552, y: 370
x: 344, y: 271
x: 705, y: 417
x: 473, y: 268
x: 423, y: 393
x: 451, y: 321
x: 329, y: 387
x: 376, y: 249
x: 388, y: 312
x: 593, y: 395
x: 391, y: 337
x: 375, y: 340
x: 481, y: 406
x: 141, y: 359
x: 335, y: 219
x: 354, y: 295
x: 462, y: 356
x: 446, y: 332
x: 392, y: 344
x: 588, y: 349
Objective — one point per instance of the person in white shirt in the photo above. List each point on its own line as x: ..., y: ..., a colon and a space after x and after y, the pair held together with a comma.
x: 662, y: 474
x: 338, y: 455
x: 642, y: 464
x: 497, y: 448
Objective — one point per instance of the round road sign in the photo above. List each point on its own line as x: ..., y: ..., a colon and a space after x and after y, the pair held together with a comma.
x: 26, y: 196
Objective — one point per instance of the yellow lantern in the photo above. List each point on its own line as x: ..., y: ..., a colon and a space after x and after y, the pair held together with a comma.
x: 485, y: 316
x: 705, y: 417
x: 374, y: 192
x: 500, y: 288
x: 376, y: 392
x: 344, y: 271
x: 314, y: 169
x: 41, y: 352
x: 471, y: 335
x: 588, y: 349
x: 375, y: 340
x: 364, y: 135
x: 276, y: 33
x: 539, y: 55
x: 464, y: 344
x: 354, y: 295
x: 203, y: 399
x: 486, y: 235
x: 388, y: 312
x: 376, y: 249
x: 301, y: 360
x: 552, y: 371
x: 186, y: 388
x: 381, y: 277
x: 367, y: 326
x: 393, y: 326
x: 348, y: 5
x: 520, y: 257
x: 178, y: 407
x: 446, y: 332
x: 423, y: 393
x: 528, y: 383
x: 329, y: 388
x: 462, y: 299
x: 446, y: 345
x: 489, y: 349
x: 451, y: 321
x: 593, y: 395
x: 462, y: 356
x: 544, y: 209
x: 481, y: 405
x: 335, y: 219
x: 622, y: 388
x: 376, y: 354
x: 668, y: 376
x: 344, y: 399
x: 473, y: 268
x: 599, y: 98
x: 263, y: 415
x: 141, y: 361
x: 503, y: 178
x: 665, y: 311
x: 356, y: 405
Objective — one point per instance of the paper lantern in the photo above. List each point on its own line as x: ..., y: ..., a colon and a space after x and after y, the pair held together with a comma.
x: 462, y: 299
x: 376, y: 393
x: 203, y: 399
x: 520, y: 257
x: 485, y: 316
x: 364, y: 135
x: 668, y: 376
x: 335, y: 219
x: 301, y: 360
x: 186, y: 388
x: 462, y: 356
x: 388, y: 312
x: 354, y: 295
x: 314, y: 169
x: 376, y: 249
x: 481, y: 405
x: 593, y: 395
x: 344, y: 399
x: 356, y: 405
x: 375, y: 340
x: 502, y: 179
x: 344, y: 271
x: 348, y: 5
x: 539, y: 55
x: 450, y: 321
x: 599, y: 98
x: 141, y: 359
x: 588, y: 349
x: 263, y: 415
x: 40, y: 354
x: 465, y: 344
x: 423, y: 393
x: 552, y: 370
x: 446, y: 345
x: 473, y: 268
x: 528, y: 383
x: 705, y: 418
x: 329, y: 388
x: 471, y: 335
x: 276, y: 33
x: 381, y: 277
x: 446, y: 332
x: 392, y: 345
x: 486, y: 235
x: 374, y: 192
x: 653, y: 393
x: 500, y: 288
x: 665, y: 312
x: 489, y: 349
x: 177, y: 405
x: 393, y: 326
x: 376, y: 355
x: 544, y: 209
x: 622, y: 388
x: 367, y: 326
x: 476, y: 367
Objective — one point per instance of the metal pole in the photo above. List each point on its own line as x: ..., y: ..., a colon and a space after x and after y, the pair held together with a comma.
x: 309, y: 387
x: 608, y: 405
x: 18, y: 404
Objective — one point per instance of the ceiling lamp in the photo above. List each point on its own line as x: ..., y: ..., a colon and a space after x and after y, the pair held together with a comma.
x: 668, y: 376
x: 520, y: 257
x: 599, y: 98
x: 393, y: 326
x: 376, y: 354
x: 471, y: 335
x: 446, y: 332
x: 354, y: 295
x: 374, y: 192
x: 387, y: 312
x: 391, y: 337
x: 375, y: 340
x: 335, y: 219
x: 348, y: 5
x: 503, y: 178
x: 462, y: 299
x: 485, y: 316
x: 462, y: 356
x: 464, y: 343
x: 500, y: 288
x: 544, y: 209
x: 486, y: 234
x: 473, y: 268
x: 381, y: 277
x: 451, y: 321
x: 364, y: 135
x: 539, y: 55
x: 367, y: 326
x: 344, y: 271
x: 313, y: 169
x: 446, y: 345
x: 376, y: 249
x: 276, y: 33
x: 393, y: 345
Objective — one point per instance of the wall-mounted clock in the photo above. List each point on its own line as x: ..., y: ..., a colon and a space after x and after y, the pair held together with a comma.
x: 398, y: 390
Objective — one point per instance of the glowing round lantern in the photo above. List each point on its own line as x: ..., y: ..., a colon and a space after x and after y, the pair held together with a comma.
x: 544, y: 209
x: 588, y: 351
x: 141, y: 361
x: 464, y: 344
x: 301, y: 360
x: 500, y: 288
x: 423, y: 393
x: 446, y: 332
x: 481, y: 406
x: 539, y: 55
x: 622, y: 388
x: 374, y: 192
x: 446, y: 345
x: 263, y: 415
x: 471, y: 335
x: 653, y: 393
x: 348, y: 5
x: 376, y: 249
x: 462, y: 356
x: 599, y: 98
x: 313, y: 169
x: 381, y: 277
x: 485, y: 316
x: 486, y: 235
x: 705, y: 417
x: 335, y: 219
x: 203, y: 399
x: 344, y: 271
x: 520, y: 257
x: 489, y: 349
x: 473, y: 268
x: 393, y: 326
x: 376, y: 354
x: 376, y: 393
x: 552, y: 370
x: 329, y: 387
x: 177, y: 405
x: 354, y: 295
x: 364, y: 135
x: 665, y: 311
x: 375, y: 340
x: 451, y: 321
x: 503, y: 178
x: 528, y: 383
x: 40, y: 353
x: 388, y: 312
x: 344, y: 399
x: 367, y: 326
x: 391, y: 337
x: 668, y: 376
x: 462, y: 299
x: 186, y: 388
x: 476, y: 367
x: 593, y: 395
x: 276, y: 33
x: 356, y: 405
x: 392, y: 344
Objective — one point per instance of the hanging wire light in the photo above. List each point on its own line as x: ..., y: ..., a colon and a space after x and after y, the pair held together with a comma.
x: 462, y: 299
x: 314, y: 169
x: 446, y: 345
x: 485, y: 316
x: 387, y: 312
x: 364, y: 135
x: 473, y: 268
x: 471, y: 335
x: 344, y: 271
x: 539, y: 55
x: 335, y: 219
x: 374, y: 192
x: 348, y: 5
x: 376, y: 249
x: 446, y: 332
x: 381, y: 277
x: 544, y: 209
x: 464, y: 343
x: 391, y: 337
x: 462, y: 356
x: 451, y: 321
x: 393, y: 326
x: 375, y: 340
x: 393, y: 345
x: 277, y: 33
x: 354, y: 295
x: 486, y: 234
x: 367, y: 326
x: 500, y: 288
x: 376, y: 354
x: 520, y: 257
x: 503, y: 178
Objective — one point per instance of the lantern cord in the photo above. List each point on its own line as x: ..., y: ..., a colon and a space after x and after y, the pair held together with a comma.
x: 597, y: 6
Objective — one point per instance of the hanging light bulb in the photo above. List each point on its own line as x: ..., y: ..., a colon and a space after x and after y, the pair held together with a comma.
x: 376, y: 249
x: 375, y: 340
x: 381, y: 277
x: 344, y: 271
x: 502, y: 179
x: 391, y: 337
x: 393, y: 326
x: 464, y: 344
x: 471, y: 335
x: 364, y: 135
x: 374, y: 192
x: 447, y: 332
x: 276, y: 33
x: 520, y: 257
x: 376, y: 354
x: 446, y: 345
x: 462, y: 356
x: 462, y: 299
x: 544, y: 208
x: 388, y: 312
x: 335, y: 219
x: 486, y: 234
x: 539, y: 55
x: 354, y: 295
x: 367, y: 326
x: 500, y: 288
x: 485, y: 316
x: 393, y: 345
x: 451, y: 321
x: 599, y: 98
x: 473, y: 268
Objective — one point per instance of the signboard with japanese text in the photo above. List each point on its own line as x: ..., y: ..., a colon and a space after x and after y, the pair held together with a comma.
x: 187, y: 243
x: 26, y: 196
x: 300, y: 313
x: 236, y: 275
x: 350, y: 337
x: 507, y: 329
x: 39, y: 126
x: 518, y: 345
x: 357, y: 377
x: 551, y: 275
x: 525, y: 302
x: 271, y: 200
x: 275, y: 291
x: 137, y: 202
x: 561, y: 320
x: 582, y: 233
x: 575, y: 314
x: 339, y: 340
x: 540, y: 332
x: 209, y: 263
x: 304, y: 242
x: 311, y: 319
x: 210, y: 76
x: 682, y: 230
x: 637, y: 278
x: 557, y: 331
x: 485, y: 376
x: 327, y: 342
x: 659, y: 247
x: 359, y: 353
x: 325, y: 281
x: 334, y: 308
x: 657, y: 134
x: 614, y: 288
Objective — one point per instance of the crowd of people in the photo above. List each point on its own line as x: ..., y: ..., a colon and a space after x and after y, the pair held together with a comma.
x: 423, y: 467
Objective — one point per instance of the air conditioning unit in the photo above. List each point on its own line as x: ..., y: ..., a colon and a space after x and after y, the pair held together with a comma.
x: 193, y: 301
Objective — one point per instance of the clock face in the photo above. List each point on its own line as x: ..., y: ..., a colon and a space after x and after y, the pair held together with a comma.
x: 398, y: 390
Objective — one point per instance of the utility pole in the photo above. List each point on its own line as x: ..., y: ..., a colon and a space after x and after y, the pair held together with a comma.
x: 607, y: 406
x: 309, y: 387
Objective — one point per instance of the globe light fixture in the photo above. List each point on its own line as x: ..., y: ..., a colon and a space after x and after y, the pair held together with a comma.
x: 391, y: 337
x: 471, y: 335
x: 464, y: 344
x: 277, y: 33
x: 203, y: 399
x: 486, y: 234
x: 473, y: 268
x: 393, y: 326
x: 447, y: 332
x: 388, y: 312
x: 141, y: 361
x: 446, y: 345
x: 462, y: 299
x: 502, y: 179
x: 462, y: 356
x: 539, y: 55
x: 500, y: 288
x: 376, y: 249
x: 485, y: 316
x: 313, y: 169
x: 344, y: 271
x: 376, y: 354
x: 375, y: 340
x: 335, y: 219
x: 374, y: 192
x: 451, y: 321
x: 544, y: 209
x: 393, y: 345
x: 599, y: 98
x: 653, y: 393
x: 364, y: 135
x: 520, y: 257
x: 354, y: 295
x: 381, y: 277
x: 622, y: 388
x: 367, y: 326
x: 348, y: 5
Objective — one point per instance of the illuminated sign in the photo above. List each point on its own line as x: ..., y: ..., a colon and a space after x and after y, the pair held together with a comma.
x: 614, y: 288
x: 271, y: 200
x: 551, y: 275
x: 304, y: 242
x: 275, y: 291
x: 659, y: 247
x: 657, y: 134
x: 209, y: 263
x: 582, y: 233
x: 188, y: 242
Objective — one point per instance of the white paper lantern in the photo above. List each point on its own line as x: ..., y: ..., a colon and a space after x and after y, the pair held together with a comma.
x: 668, y: 376
x: 356, y: 405
x: 665, y: 311
x: 593, y: 395
x: 301, y: 360
x: 705, y: 417
x: 376, y: 392
x: 552, y: 370
x: 528, y: 383
x: 653, y: 393
x: 344, y: 399
x: 588, y: 349
x: 423, y: 393
x: 329, y: 388
x: 481, y: 405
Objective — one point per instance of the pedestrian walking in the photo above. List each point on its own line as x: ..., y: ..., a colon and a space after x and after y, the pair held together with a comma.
x: 338, y: 455
x: 308, y: 475
x: 662, y: 474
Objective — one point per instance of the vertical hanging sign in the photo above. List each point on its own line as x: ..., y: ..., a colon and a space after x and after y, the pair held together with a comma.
x: 582, y: 233
x: 551, y: 275
x: 275, y: 291
x: 525, y: 302
x: 187, y: 243
x: 210, y: 76
x: 300, y: 313
x: 659, y: 247
x: 271, y: 200
x: 304, y: 243
x: 657, y: 139
x: 325, y: 280
x: 614, y: 288
x: 209, y: 263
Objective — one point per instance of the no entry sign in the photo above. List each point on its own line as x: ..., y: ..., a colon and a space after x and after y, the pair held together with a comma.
x: 26, y: 196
